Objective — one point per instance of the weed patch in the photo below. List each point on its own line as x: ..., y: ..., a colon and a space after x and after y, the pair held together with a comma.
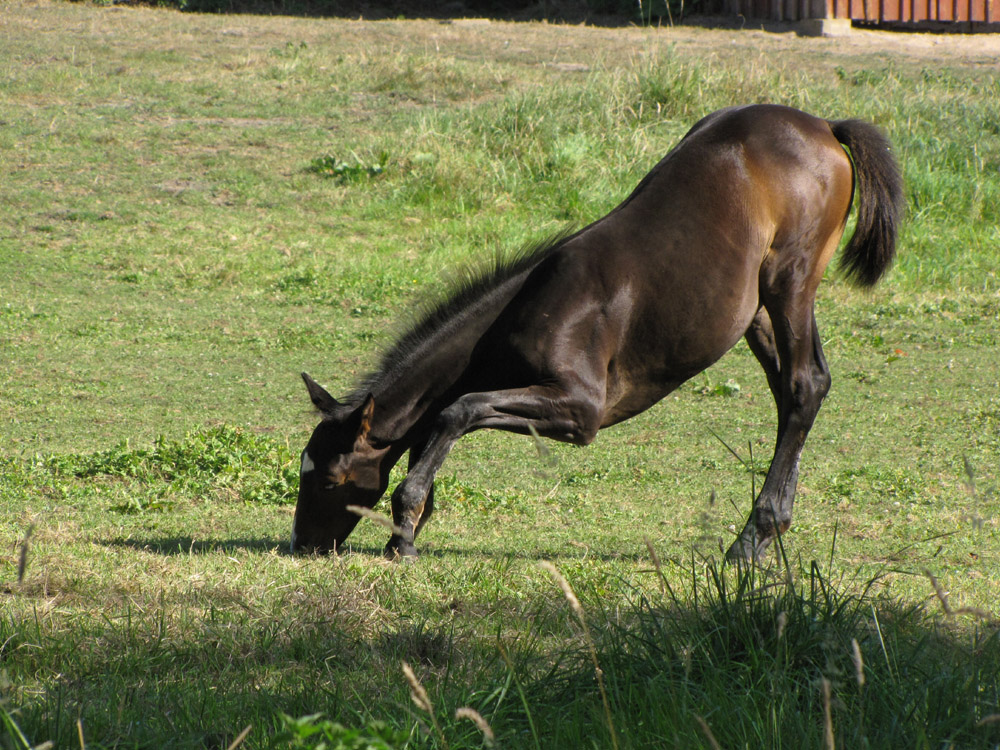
x: 344, y: 172
x: 224, y: 461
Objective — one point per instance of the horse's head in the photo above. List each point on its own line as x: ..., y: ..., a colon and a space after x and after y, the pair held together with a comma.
x: 340, y: 468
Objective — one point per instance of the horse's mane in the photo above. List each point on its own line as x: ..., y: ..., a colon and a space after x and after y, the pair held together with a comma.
x: 473, y: 286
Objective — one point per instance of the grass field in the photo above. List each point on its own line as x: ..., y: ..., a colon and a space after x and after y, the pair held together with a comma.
x: 197, y: 208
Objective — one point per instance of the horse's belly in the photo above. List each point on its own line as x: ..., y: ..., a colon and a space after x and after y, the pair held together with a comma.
x: 626, y: 399
x: 649, y: 369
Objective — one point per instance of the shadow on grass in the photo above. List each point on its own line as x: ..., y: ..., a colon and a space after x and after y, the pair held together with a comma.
x: 186, y: 545
x: 752, y: 658
x: 739, y: 659
x: 602, y: 13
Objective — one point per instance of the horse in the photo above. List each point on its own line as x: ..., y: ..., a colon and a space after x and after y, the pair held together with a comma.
x: 726, y: 238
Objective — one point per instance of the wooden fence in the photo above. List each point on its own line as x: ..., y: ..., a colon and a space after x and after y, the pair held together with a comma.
x: 874, y: 11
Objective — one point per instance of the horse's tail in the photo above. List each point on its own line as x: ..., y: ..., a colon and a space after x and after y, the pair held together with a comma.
x: 879, y: 187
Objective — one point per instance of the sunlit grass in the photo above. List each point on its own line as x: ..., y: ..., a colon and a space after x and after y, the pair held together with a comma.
x: 197, y: 208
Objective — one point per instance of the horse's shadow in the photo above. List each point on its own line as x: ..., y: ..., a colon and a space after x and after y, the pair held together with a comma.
x: 186, y: 545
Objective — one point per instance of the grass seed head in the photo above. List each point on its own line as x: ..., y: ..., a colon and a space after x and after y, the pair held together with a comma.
x: 859, y: 664
x: 828, y: 742
x: 417, y: 692
x: 563, y: 584
x: 380, y: 519
x: 476, y: 718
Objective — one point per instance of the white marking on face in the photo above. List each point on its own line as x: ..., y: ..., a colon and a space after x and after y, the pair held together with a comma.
x: 307, y: 464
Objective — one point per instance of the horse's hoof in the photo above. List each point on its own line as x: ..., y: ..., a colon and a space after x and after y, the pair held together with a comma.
x: 738, y: 554
x: 744, y: 552
x: 400, y: 551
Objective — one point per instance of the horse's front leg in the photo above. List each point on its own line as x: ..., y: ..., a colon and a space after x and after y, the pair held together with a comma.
x: 409, y: 511
x: 557, y: 412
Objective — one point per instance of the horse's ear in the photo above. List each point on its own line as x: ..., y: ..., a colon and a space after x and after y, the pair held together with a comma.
x: 365, y: 413
x: 318, y: 395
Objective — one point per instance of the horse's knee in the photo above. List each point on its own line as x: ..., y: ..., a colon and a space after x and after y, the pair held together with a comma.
x: 586, y: 419
x: 808, y: 389
x: 822, y: 381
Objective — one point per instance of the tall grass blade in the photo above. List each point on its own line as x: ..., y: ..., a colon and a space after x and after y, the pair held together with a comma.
x: 707, y: 731
x: 422, y: 701
x: 521, y: 694
x: 481, y: 724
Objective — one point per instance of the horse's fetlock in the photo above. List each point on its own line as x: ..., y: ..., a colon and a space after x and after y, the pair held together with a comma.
x: 770, y: 522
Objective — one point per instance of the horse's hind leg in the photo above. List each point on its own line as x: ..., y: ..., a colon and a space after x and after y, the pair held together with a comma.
x: 785, y: 340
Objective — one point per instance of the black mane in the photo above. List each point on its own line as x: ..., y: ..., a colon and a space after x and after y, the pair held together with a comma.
x: 474, y: 285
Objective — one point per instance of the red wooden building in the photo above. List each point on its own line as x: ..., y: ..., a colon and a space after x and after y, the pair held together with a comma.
x: 963, y: 12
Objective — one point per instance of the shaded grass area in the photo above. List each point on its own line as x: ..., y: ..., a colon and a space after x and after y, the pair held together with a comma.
x: 761, y: 662
x: 715, y: 658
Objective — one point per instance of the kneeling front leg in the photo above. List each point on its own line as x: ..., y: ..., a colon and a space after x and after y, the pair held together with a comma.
x: 548, y: 411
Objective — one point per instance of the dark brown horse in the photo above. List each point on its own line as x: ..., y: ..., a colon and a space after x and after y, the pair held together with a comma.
x: 727, y: 237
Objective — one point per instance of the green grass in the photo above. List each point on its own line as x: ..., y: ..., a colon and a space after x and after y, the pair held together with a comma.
x: 197, y: 208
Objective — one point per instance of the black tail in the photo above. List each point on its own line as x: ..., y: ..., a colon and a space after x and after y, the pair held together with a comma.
x: 879, y: 188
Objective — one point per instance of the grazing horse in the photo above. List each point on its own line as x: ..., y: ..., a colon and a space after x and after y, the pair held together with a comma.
x: 727, y: 237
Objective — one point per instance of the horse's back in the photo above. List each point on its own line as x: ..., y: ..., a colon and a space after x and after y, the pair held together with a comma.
x: 739, y: 163
x: 669, y: 281
x: 746, y: 189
